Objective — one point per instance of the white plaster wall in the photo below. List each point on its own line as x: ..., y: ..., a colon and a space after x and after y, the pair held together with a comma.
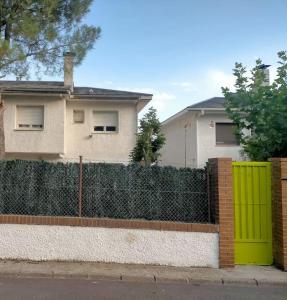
x: 177, y: 138
x: 100, y: 147
x: 49, y: 140
x: 41, y: 242
x: 206, y: 137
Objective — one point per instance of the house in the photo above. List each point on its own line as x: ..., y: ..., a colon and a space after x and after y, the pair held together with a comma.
x: 59, y: 121
x: 199, y: 132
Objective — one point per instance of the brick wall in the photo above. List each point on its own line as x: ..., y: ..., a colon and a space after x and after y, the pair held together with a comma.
x: 279, y: 211
x: 221, y: 185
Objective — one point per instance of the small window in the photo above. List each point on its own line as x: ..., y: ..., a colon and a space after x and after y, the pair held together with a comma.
x: 99, y: 128
x: 105, y: 121
x: 79, y: 116
x: 30, y: 117
x: 225, y: 134
x: 111, y: 128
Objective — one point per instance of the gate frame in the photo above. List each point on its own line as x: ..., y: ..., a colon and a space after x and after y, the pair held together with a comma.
x: 221, y: 180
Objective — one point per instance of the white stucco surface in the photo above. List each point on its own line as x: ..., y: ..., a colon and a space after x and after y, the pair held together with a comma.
x: 191, y: 139
x: 180, y: 148
x: 50, y: 140
x: 62, y: 139
x: 206, y: 136
x: 100, y: 147
x: 41, y: 242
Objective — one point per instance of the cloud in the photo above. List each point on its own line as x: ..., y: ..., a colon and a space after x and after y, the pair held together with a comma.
x: 186, y: 86
x: 218, y: 79
x: 161, y: 99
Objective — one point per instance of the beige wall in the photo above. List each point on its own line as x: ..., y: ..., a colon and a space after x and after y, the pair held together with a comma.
x: 100, y: 147
x: 64, y: 140
x: 180, y: 148
x: 50, y: 140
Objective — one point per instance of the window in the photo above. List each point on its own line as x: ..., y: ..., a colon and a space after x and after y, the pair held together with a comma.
x: 225, y: 134
x: 79, y: 116
x: 30, y: 117
x: 105, y: 121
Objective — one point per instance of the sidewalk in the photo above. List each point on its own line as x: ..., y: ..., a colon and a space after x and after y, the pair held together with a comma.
x: 253, y: 275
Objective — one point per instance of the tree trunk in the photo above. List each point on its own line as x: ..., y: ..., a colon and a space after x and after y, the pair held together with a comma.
x: 2, y: 137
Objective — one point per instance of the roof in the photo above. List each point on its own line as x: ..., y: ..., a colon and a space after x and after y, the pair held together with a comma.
x: 212, y: 104
x: 106, y: 92
x: 58, y: 87
x: 32, y: 86
x: 215, y: 102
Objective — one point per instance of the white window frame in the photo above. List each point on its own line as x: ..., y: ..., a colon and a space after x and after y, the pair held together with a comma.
x: 29, y: 127
x: 104, y: 131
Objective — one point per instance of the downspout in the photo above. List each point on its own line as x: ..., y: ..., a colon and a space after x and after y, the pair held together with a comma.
x: 200, y: 114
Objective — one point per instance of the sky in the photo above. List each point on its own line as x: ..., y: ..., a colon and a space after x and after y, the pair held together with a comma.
x: 181, y: 51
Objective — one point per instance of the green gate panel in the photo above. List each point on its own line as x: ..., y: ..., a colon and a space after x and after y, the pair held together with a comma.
x: 252, y: 212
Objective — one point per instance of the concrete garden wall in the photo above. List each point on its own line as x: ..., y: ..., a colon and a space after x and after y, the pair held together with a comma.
x: 67, y: 243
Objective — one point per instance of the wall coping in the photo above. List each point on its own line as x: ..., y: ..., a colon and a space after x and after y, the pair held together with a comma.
x: 109, y: 223
x: 278, y: 159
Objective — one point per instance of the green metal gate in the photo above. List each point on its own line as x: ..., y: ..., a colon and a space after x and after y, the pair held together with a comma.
x: 252, y: 209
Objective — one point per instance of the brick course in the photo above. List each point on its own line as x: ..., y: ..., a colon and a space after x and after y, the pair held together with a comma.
x: 109, y: 223
x: 221, y: 185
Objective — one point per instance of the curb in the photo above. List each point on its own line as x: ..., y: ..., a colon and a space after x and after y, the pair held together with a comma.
x: 146, y: 279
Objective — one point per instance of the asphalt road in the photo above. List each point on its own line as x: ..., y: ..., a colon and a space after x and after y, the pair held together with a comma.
x: 40, y: 288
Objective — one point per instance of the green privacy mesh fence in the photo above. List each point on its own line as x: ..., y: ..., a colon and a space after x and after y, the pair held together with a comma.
x: 109, y: 190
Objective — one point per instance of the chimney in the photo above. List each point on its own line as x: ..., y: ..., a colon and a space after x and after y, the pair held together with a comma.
x: 265, y: 70
x: 68, y: 69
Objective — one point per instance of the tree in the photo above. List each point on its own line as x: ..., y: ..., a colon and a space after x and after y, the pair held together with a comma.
x: 259, y: 110
x: 149, y: 139
x: 37, y: 32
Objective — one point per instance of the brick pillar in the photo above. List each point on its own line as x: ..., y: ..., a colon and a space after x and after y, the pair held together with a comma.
x: 279, y: 211
x: 221, y: 193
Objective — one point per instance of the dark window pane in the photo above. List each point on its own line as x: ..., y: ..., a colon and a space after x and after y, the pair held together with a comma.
x: 225, y: 134
x: 111, y: 128
x: 99, y: 128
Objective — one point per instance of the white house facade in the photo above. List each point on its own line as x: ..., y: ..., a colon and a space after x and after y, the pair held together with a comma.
x: 199, y: 132
x: 57, y: 121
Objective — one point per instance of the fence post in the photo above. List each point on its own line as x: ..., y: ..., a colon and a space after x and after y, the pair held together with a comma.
x: 221, y: 182
x: 279, y: 211
x: 80, y: 185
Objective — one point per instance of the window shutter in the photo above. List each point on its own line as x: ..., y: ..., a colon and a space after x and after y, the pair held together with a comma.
x: 106, y: 118
x: 30, y: 115
x: 225, y: 134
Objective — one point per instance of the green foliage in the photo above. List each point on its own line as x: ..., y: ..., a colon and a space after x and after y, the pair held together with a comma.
x: 37, y: 32
x: 149, y: 139
x: 109, y: 190
x: 260, y: 111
